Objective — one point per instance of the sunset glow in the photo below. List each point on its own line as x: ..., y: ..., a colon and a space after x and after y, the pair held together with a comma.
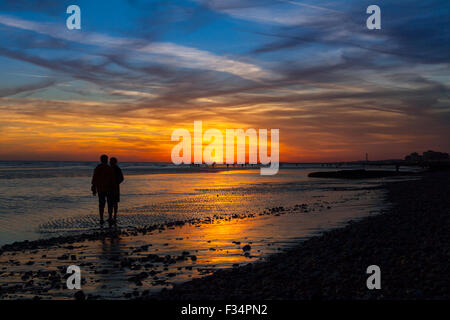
x: 122, y: 88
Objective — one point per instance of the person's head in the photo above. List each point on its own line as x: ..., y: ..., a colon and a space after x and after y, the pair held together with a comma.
x: 113, y: 161
x: 104, y: 159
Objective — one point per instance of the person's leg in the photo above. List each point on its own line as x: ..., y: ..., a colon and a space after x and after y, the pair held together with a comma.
x: 110, y: 200
x: 116, y: 200
x: 116, y: 208
x: 101, y: 205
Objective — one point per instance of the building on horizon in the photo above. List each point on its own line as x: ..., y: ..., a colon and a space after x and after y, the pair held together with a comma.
x: 429, y: 155
x: 434, y: 156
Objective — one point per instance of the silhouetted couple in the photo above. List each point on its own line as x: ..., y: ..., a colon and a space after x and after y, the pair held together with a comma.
x: 106, y: 183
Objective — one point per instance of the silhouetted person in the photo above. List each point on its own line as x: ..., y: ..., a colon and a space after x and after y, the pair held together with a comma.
x: 116, y: 190
x: 103, y: 182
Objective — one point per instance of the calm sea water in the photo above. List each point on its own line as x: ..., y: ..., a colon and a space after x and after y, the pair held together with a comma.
x: 45, y: 199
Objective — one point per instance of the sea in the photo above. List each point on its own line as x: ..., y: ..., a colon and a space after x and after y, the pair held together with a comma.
x: 53, y: 198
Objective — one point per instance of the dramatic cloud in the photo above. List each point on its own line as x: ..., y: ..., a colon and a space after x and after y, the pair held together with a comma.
x: 180, y: 56
x: 334, y: 89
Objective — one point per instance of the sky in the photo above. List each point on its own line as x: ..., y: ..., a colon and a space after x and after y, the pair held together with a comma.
x: 137, y: 70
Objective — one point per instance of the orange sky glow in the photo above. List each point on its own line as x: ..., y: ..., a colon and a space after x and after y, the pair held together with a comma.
x: 71, y: 133
x: 335, y: 89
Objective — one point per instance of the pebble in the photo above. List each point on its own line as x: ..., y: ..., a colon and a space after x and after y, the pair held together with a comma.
x: 79, y: 296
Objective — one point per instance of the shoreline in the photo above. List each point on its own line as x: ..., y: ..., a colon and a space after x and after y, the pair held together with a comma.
x: 86, y: 172
x: 104, y: 232
x: 136, y: 265
x: 137, y: 262
x: 281, y: 272
x: 360, y: 174
x: 410, y: 243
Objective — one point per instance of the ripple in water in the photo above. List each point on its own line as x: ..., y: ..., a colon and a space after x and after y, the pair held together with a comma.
x: 91, y: 222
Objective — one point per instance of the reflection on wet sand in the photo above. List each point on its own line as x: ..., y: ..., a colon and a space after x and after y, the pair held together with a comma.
x: 127, y: 264
x: 110, y: 277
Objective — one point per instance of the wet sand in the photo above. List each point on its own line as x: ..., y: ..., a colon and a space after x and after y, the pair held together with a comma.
x: 140, y: 262
x: 410, y: 242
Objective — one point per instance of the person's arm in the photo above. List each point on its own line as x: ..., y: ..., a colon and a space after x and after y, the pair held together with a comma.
x: 93, y: 182
x: 120, y: 177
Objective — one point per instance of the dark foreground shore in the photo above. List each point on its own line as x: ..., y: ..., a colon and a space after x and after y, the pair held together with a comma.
x: 410, y: 243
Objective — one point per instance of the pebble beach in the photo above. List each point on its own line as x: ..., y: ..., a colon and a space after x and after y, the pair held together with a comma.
x: 254, y: 255
x: 410, y: 243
